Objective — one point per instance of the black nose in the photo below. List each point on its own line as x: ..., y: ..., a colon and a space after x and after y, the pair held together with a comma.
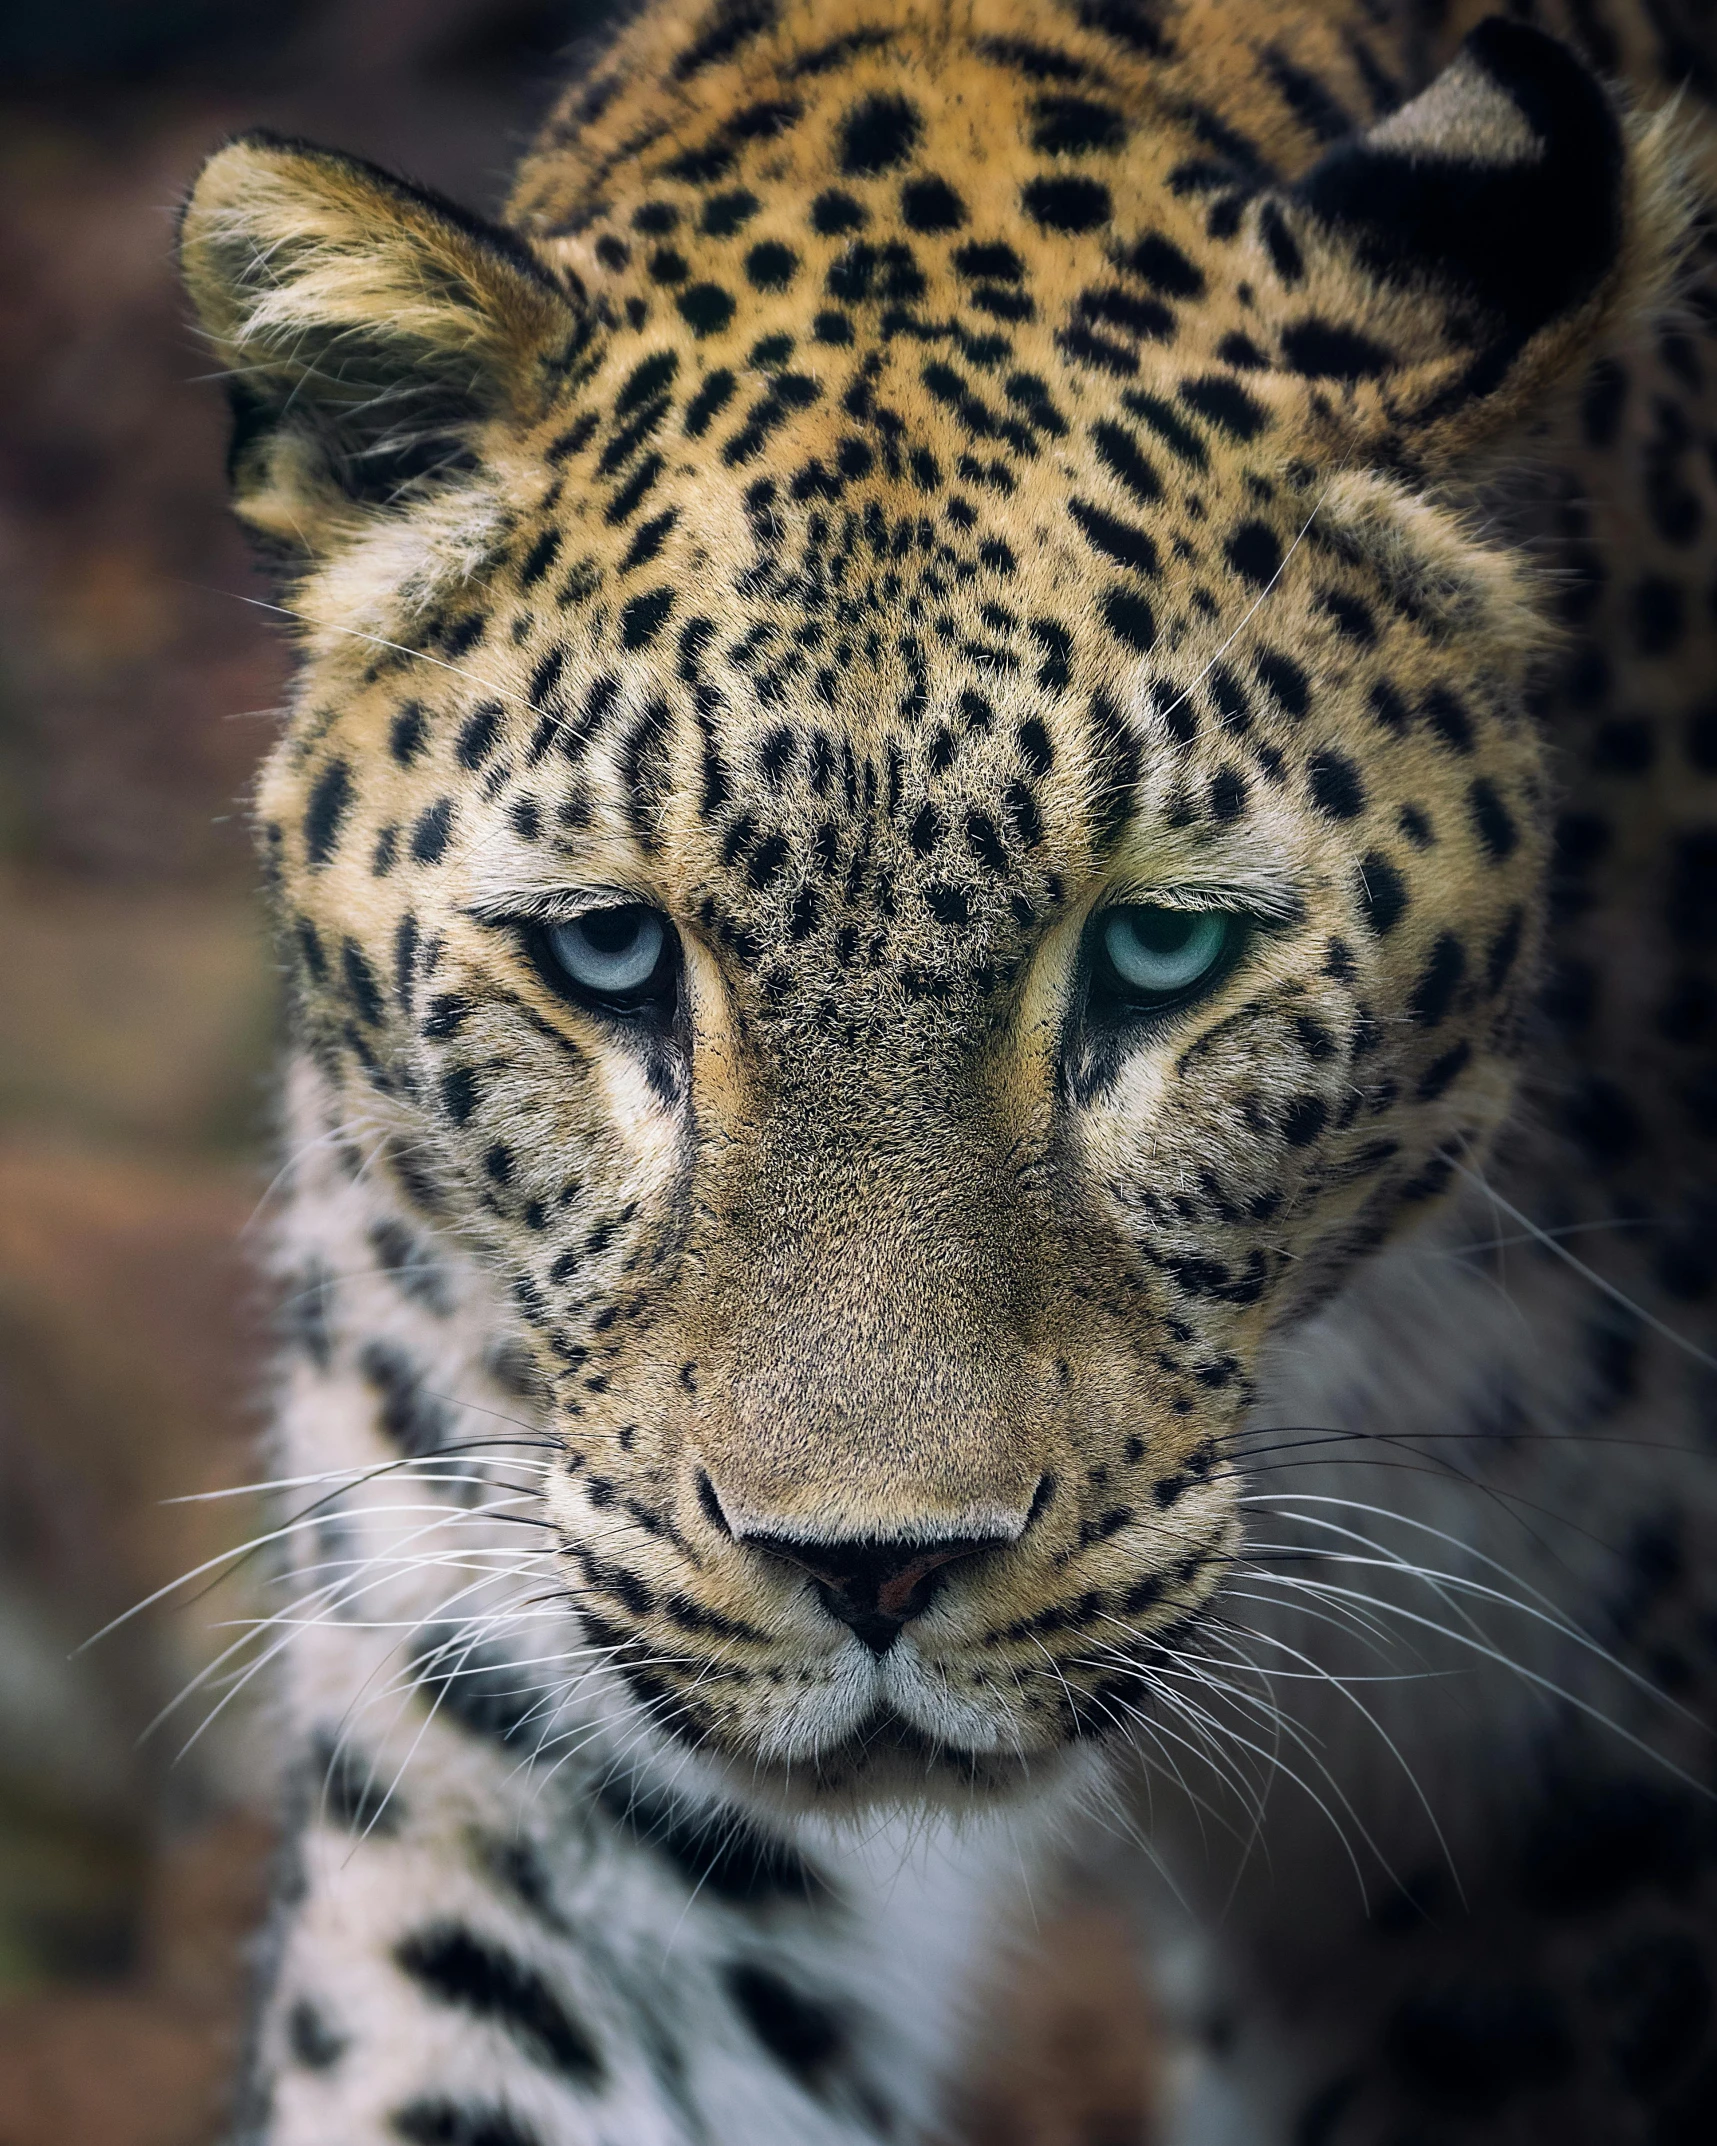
x: 875, y: 1587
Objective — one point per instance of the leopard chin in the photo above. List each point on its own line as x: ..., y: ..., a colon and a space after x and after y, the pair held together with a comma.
x: 888, y: 1763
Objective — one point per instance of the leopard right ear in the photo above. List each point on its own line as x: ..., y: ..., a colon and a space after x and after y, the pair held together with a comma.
x: 1426, y: 283
x: 369, y: 329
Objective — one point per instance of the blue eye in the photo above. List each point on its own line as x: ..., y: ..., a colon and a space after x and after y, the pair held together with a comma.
x: 620, y: 957
x: 1148, y: 956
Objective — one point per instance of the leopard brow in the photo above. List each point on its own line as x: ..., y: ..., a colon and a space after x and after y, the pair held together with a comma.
x: 553, y: 905
x: 1272, y: 900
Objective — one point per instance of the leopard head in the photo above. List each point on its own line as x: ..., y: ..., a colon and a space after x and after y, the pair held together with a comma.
x: 910, y: 801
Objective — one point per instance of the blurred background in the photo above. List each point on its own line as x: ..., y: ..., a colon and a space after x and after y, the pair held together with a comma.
x: 138, y: 681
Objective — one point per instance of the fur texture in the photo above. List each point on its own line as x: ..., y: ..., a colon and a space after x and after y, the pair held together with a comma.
x: 906, y: 483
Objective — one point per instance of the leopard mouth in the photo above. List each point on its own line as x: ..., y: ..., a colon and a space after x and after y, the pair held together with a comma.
x: 956, y: 1706
x: 895, y: 1732
x: 888, y: 1758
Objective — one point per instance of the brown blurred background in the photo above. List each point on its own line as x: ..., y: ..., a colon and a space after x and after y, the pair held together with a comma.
x: 137, y: 1021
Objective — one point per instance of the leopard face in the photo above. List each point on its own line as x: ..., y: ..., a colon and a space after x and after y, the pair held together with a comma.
x: 911, y: 802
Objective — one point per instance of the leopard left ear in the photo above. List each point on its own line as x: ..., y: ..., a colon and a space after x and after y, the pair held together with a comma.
x: 1432, y: 278
x: 369, y: 330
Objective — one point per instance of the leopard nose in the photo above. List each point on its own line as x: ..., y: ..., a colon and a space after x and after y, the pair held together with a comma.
x: 873, y: 1582
x: 873, y: 1586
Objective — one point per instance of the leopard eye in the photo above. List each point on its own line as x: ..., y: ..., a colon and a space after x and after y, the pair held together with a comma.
x: 616, y: 959
x: 1148, y: 958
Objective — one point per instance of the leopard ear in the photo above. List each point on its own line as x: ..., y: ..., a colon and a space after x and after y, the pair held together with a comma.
x: 369, y: 330
x: 1434, y: 276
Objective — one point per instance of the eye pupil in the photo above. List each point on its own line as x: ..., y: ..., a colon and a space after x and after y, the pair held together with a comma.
x: 1165, y: 931
x: 611, y: 931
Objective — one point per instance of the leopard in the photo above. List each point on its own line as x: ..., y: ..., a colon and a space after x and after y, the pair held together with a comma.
x: 996, y: 862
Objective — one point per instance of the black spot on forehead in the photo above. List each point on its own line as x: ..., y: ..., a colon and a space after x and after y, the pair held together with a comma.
x: 1434, y: 992
x: 993, y: 260
x: 541, y: 556
x: 724, y: 30
x: 1119, y: 450
x: 879, y: 132
x: 1493, y: 823
x: 361, y: 987
x: 1284, y: 680
x: 1132, y: 24
x: 1335, y: 785
x: 1076, y: 126
x: 1226, y: 404
x: 1115, y: 766
x: 840, y: 52
x: 724, y: 214
x: 576, y: 435
x: 1448, y: 718
x: 1160, y: 263
x: 715, y: 158
x: 1284, y: 248
x: 931, y: 205
x: 1038, y: 63
x: 642, y: 618
x: 709, y: 402
x: 834, y: 213
x: 645, y: 381
x: 770, y: 266
x: 706, y: 308
x: 1112, y: 538
x: 1067, y: 204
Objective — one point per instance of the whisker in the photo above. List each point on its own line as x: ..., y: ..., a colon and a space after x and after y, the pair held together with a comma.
x: 1490, y: 1652
x: 1590, y: 1274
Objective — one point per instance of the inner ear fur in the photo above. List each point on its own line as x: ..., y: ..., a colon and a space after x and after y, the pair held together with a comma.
x: 368, y: 329
x: 1432, y: 279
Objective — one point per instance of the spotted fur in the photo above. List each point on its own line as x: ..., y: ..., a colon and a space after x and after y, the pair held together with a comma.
x: 902, y: 480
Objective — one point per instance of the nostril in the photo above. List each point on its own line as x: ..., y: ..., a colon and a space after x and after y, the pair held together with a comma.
x: 710, y: 1505
x: 873, y: 1586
